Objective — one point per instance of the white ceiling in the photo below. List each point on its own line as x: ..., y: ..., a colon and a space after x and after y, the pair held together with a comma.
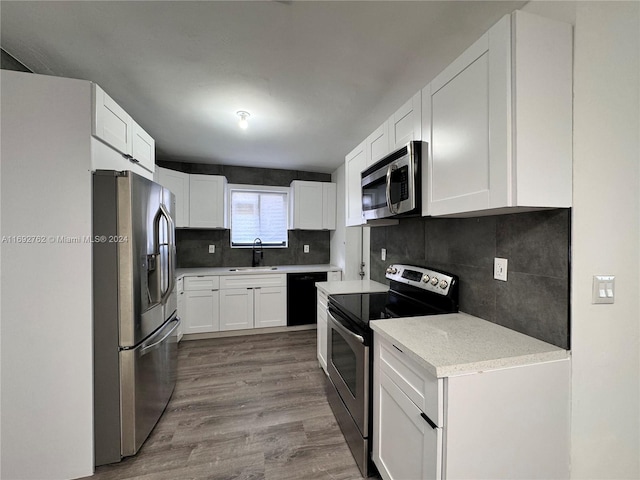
x: 317, y: 77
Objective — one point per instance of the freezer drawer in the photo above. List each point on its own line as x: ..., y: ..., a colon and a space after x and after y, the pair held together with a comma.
x: 148, y: 376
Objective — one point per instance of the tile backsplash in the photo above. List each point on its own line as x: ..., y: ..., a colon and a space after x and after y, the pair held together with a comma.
x: 193, y: 248
x: 535, y: 298
x: 193, y: 244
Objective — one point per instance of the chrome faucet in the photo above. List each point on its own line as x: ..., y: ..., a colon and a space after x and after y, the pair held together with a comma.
x: 258, y: 255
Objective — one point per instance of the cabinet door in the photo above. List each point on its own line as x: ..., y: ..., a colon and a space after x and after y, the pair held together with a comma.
x: 178, y: 184
x: 111, y: 123
x: 418, y: 455
x: 459, y: 162
x: 322, y: 330
x: 355, y: 162
x: 143, y: 148
x: 377, y: 144
x: 181, y: 307
x: 405, y: 124
x: 334, y: 276
x: 202, y: 307
x: 307, y: 205
x: 329, y: 193
x: 236, y: 309
x: 206, y: 201
x: 270, y: 307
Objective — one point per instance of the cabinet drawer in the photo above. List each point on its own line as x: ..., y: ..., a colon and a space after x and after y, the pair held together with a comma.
x: 180, y: 284
x: 202, y: 283
x: 253, y: 281
x: 423, y: 389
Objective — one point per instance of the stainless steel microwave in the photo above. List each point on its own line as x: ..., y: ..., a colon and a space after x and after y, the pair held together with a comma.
x: 392, y: 187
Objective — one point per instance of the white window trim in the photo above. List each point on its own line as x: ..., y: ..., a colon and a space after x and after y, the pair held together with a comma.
x: 256, y: 188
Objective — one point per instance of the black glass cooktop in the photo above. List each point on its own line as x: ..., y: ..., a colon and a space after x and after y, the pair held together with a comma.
x: 360, y: 308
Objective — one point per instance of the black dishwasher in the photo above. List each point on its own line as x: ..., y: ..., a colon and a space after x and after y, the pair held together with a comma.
x: 301, y: 297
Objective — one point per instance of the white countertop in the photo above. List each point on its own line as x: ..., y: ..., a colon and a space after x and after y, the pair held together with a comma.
x: 351, y: 286
x: 279, y: 269
x: 458, y: 344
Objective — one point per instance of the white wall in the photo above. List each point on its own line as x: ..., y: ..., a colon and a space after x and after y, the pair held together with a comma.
x: 605, y: 238
x: 606, y: 231
x: 47, y: 377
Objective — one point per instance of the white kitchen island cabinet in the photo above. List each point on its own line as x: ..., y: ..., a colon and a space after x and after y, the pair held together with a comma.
x: 499, y: 122
x: 472, y: 413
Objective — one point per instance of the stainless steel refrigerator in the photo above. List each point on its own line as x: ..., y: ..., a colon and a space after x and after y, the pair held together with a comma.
x: 134, y: 319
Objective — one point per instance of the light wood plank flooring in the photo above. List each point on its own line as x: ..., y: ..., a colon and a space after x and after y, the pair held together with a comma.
x: 250, y: 407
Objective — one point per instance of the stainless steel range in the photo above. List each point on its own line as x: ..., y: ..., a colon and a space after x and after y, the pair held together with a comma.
x: 414, y: 291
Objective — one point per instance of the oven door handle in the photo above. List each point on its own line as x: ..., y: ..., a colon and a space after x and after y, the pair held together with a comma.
x: 344, y: 329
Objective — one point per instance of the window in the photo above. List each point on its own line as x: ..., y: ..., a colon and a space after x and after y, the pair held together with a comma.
x: 258, y: 212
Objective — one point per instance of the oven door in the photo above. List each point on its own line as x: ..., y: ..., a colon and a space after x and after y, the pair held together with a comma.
x: 348, y: 367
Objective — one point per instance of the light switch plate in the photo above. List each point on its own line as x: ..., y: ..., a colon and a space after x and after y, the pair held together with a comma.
x: 500, y: 269
x: 212, y: 249
x: 306, y: 249
x: 603, y: 289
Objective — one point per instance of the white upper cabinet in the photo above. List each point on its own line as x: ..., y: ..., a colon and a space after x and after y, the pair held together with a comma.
x: 377, y: 144
x: 329, y: 205
x: 207, y: 201
x: 115, y: 127
x: 143, y: 148
x: 499, y: 120
x: 405, y: 124
x: 312, y: 205
x: 178, y: 184
x: 355, y: 162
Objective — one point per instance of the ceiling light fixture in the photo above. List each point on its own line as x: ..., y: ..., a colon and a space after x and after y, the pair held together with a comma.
x: 244, y: 122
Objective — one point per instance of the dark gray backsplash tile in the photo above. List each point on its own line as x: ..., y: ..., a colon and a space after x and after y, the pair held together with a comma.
x: 193, y: 248
x: 535, y: 305
x: 533, y: 301
x: 463, y: 241
x: 536, y: 242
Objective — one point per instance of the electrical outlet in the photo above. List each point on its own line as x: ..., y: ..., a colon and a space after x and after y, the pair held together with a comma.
x: 383, y: 254
x: 212, y: 249
x: 500, y: 269
x: 306, y: 249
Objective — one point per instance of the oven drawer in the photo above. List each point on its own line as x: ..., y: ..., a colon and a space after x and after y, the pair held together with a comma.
x: 423, y: 389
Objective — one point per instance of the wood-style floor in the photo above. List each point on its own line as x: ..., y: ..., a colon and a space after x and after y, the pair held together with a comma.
x: 250, y: 407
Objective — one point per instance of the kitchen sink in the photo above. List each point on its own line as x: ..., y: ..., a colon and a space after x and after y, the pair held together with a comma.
x: 253, y: 269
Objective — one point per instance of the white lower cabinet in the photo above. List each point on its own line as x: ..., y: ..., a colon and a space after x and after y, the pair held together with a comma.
x: 322, y: 330
x: 253, y: 301
x: 202, y: 304
x: 498, y: 424
x: 407, y: 444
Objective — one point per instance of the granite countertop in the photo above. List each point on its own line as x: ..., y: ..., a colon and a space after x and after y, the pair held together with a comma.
x: 459, y: 344
x: 180, y: 272
x: 351, y: 286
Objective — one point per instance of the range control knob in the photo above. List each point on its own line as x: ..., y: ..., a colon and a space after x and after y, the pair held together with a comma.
x: 444, y: 284
x: 391, y: 269
x: 434, y: 281
x: 425, y: 278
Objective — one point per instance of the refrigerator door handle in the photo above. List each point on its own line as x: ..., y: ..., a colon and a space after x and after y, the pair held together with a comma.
x: 170, y: 251
x: 146, y: 348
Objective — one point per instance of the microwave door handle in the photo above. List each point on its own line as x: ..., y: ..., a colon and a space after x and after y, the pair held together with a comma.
x: 390, y: 169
